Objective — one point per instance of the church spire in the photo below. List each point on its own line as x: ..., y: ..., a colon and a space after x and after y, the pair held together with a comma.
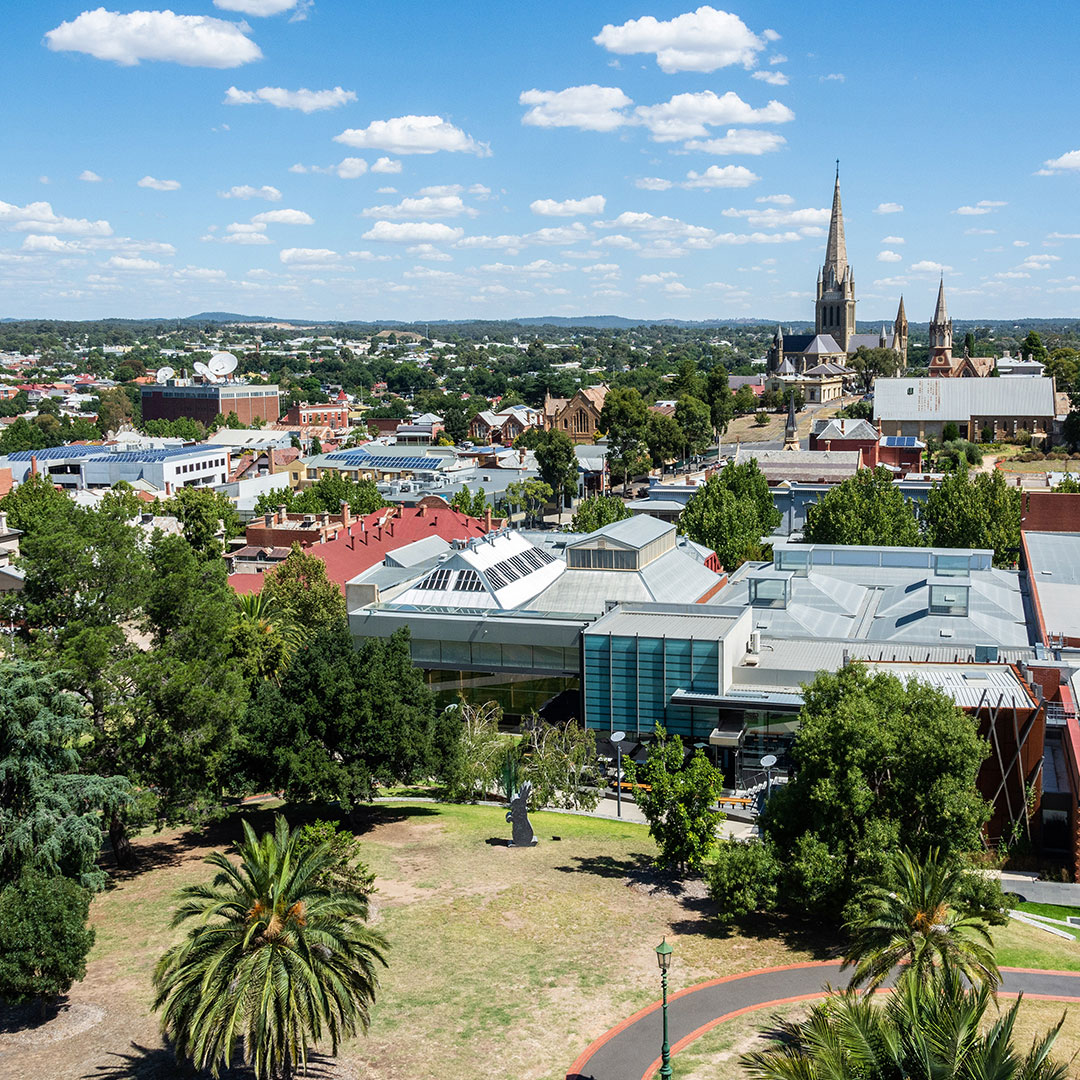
x: 901, y: 315
x: 941, y: 315
x: 836, y: 249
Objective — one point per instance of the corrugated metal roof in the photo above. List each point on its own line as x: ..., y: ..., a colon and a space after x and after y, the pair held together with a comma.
x: 969, y: 685
x: 1054, y: 557
x: 960, y: 399
x: 656, y: 624
x: 635, y: 532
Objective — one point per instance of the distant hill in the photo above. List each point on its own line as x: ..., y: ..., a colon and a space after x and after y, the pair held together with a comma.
x: 228, y: 317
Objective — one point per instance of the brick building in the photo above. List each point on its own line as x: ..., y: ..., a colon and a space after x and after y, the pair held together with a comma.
x: 331, y: 414
x: 177, y: 398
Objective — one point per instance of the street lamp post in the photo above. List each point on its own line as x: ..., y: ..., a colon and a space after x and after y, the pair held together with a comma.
x: 617, y: 738
x: 663, y: 957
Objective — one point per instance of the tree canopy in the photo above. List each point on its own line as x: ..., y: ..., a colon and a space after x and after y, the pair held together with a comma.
x: 866, y: 508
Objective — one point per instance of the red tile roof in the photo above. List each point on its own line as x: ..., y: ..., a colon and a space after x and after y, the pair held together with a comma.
x: 346, y: 556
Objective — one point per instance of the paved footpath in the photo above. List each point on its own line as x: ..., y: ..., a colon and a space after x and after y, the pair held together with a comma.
x: 630, y: 1050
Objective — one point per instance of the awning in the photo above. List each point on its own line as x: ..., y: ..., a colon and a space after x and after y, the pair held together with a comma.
x: 730, y: 738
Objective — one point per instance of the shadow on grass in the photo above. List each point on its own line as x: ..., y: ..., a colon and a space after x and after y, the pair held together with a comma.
x: 23, y: 1017
x: 632, y: 866
x: 159, y: 1063
x: 799, y: 933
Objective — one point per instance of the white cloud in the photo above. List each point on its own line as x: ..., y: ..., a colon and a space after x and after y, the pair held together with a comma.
x: 778, y: 58
x: 889, y: 208
x: 601, y: 268
x: 386, y: 165
x: 1063, y: 236
x: 927, y: 266
x: 283, y: 217
x: 740, y: 141
x: 1021, y: 243
x: 439, y: 206
x: 653, y: 183
x: 991, y: 203
x: 701, y: 40
x: 980, y: 232
x: 688, y: 116
x: 889, y: 257
x: 1039, y: 262
x: 191, y: 40
x: 256, y: 7
x: 836, y: 76
x: 1012, y: 274
x: 415, y: 232
x: 247, y: 191
x: 122, y: 262
x: 657, y: 279
x: 1069, y: 162
x: 306, y: 101
x: 893, y: 240
x: 591, y: 204
x: 39, y: 217
x: 200, y: 273
x: 51, y: 244
x: 413, y: 135
x: 721, y: 176
x: 591, y: 108
x: 773, y: 78
x: 984, y: 206
x: 159, y: 185
x: 676, y: 288
x: 386, y: 191
x: 246, y: 227
x: 429, y: 253
x: 776, y: 200
x: 769, y: 218
x: 308, y: 256
x: 441, y: 189
x: 351, y: 168
x: 89, y: 176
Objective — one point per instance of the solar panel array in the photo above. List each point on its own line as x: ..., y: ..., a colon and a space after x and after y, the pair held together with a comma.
x: 103, y: 453
x: 901, y: 440
x: 393, y: 463
x: 466, y: 581
x: 518, y: 566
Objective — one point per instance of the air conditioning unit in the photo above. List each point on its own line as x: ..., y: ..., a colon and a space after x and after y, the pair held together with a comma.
x: 754, y: 645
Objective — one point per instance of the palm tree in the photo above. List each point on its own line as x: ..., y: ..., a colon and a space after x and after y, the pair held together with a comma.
x: 937, y: 1030
x: 921, y: 921
x: 271, y: 963
x: 265, y: 638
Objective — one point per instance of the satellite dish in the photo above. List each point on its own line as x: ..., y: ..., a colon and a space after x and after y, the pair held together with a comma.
x: 222, y: 363
x: 205, y: 372
x: 617, y: 737
x: 768, y: 761
x: 164, y: 374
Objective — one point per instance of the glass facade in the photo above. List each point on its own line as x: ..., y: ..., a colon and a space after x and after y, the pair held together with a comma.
x: 516, y: 695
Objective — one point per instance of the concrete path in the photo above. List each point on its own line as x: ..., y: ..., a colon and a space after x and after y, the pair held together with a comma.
x: 1029, y: 888
x: 630, y: 1051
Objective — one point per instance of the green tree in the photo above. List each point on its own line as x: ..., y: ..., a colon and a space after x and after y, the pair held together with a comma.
x: 530, y: 495
x: 344, y: 870
x: 314, y: 446
x: 264, y: 639
x: 299, y: 589
x: 663, y: 437
x: 475, y: 504
x: 731, y: 513
x: 204, y: 516
x: 917, y: 917
x: 560, y: 760
x: 678, y: 801
x: 625, y: 419
x: 558, y: 466
x: 867, y: 508
x: 455, y: 418
x: 597, y: 511
x: 744, y: 877
x: 745, y: 401
x: 720, y: 399
x: 1033, y: 346
x: 874, y: 364
x: 44, y: 939
x: 877, y: 763
x: 482, y: 748
x: 50, y: 811
x: 980, y: 511
x: 943, y: 1032
x: 695, y: 422
x: 33, y: 503
x: 272, y: 962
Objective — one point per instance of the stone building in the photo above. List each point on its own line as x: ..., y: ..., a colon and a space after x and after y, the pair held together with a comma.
x: 578, y: 416
x: 943, y: 364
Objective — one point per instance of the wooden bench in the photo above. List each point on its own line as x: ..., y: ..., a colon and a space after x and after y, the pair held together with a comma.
x: 627, y: 786
x: 738, y: 801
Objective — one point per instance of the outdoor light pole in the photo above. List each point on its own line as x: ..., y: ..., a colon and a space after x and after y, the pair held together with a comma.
x: 617, y: 738
x: 663, y: 957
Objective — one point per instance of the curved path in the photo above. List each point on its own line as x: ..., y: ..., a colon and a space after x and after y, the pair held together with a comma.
x: 630, y: 1050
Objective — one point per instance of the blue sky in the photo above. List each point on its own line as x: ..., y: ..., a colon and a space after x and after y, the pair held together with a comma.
x: 428, y: 160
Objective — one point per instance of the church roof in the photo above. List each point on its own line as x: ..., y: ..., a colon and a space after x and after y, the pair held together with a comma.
x: 836, y: 249
x: 786, y: 368
x: 840, y: 429
x: 941, y: 314
x: 901, y: 317
x: 796, y: 343
x: 870, y: 341
x: 826, y: 368
x: 823, y: 344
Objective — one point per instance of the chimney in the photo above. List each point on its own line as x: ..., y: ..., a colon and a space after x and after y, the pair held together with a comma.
x: 423, y: 511
x: 168, y: 489
x: 324, y: 519
x: 521, y: 457
x: 33, y: 464
x: 3, y: 522
x: 346, y: 515
x: 281, y: 514
x: 268, y: 520
x: 487, y: 520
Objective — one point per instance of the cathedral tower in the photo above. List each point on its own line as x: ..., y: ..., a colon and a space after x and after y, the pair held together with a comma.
x: 900, y: 334
x: 835, y: 309
x: 941, y: 337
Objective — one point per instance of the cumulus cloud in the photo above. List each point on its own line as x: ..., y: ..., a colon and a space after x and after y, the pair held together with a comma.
x: 702, y: 40
x: 591, y: 107
x: 413, y: 232
x: 889, y: 257
x: 721, y: 176
x: 413, y: 135
x: 438, y: 206
x: 739, y: 141
x: 127, y: 39
x: 776, y: 200
x: 928, y: 266
x: 308, y: 256
x: 304, y: 100
x: 836, y: 76
x: 980, y: 232
x: 889, y: 208
x: 39, y: 217
x: 1039, y: 262
x: 159, y: 185
x: 657, y: 279
x: 52, y: 245
x: 283, y: 217
x: 768, y: 217
x: 256, y: 7
x: 386, y: 165
x: 591, y: 204
x: 247, y: 191
x: 89, y: 176
x: 893, y: 240
x: 1068, y: 162
x: 773, y: 78
x: 428, y: 252
x: 689, y: 116
x: 653, y: 183
x: 123, y: 262
x: 984, y: 206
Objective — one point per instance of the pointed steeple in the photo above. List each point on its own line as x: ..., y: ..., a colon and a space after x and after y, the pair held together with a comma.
x: 901, y: 315
x: 836, y: 249
x: 791, y: 429
x: 941, y: 315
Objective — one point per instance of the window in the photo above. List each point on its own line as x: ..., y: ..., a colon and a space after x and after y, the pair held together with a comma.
x: 469, y: 581
x: 438, y: 579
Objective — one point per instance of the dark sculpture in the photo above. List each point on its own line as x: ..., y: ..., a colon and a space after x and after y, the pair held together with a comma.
x: 518, y: 816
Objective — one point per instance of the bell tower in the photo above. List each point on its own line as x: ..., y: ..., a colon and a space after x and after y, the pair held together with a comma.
x: 834, y: 312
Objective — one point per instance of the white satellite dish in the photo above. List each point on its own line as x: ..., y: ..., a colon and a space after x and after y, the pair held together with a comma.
x: 164, y: 374
x: 205, y: 372
x: 222, y: 363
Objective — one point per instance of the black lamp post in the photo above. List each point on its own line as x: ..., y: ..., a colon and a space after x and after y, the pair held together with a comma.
x: 663, y: 958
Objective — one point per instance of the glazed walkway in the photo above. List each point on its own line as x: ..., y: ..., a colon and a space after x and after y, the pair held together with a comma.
x: 631, y: 1050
